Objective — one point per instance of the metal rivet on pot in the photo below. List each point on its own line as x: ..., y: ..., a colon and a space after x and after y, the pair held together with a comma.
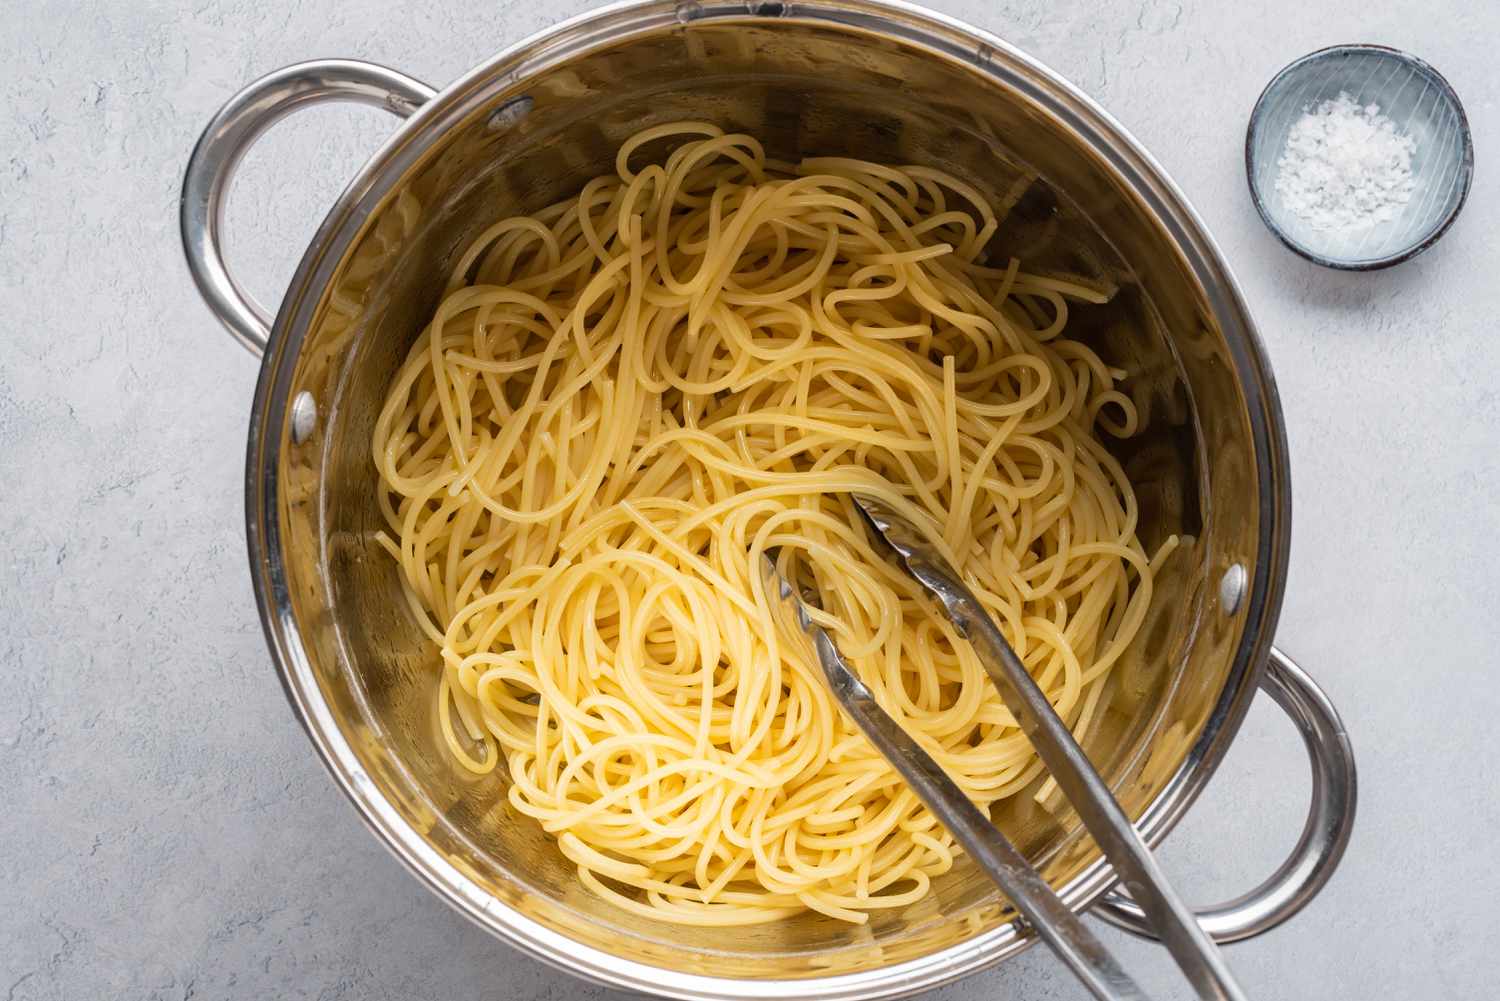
x: 510, y: 113
x: 1232, y: 588
x: 304, y: 417
x: 688, y: 10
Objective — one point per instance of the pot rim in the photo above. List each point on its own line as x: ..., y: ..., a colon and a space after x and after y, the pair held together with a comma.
x: 1005, y: 66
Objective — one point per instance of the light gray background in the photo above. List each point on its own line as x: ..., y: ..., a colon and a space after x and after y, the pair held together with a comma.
x: 165, y: 830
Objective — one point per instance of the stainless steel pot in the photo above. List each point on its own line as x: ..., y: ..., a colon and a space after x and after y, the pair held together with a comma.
x: 854, y: 77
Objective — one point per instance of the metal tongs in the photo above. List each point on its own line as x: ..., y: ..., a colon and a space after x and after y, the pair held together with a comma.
x: 1058, y: 926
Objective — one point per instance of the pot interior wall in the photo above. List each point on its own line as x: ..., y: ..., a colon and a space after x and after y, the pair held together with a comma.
x: 804, y: 90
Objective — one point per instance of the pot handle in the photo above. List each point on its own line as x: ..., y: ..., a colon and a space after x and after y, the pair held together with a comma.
x: 1324, y: 837
x: 242, y: 120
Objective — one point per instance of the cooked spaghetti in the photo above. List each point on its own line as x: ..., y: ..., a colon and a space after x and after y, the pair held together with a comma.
x: 623, y: 400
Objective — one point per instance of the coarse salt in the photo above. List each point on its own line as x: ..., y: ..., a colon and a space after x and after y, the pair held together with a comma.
x: 1345, y: 166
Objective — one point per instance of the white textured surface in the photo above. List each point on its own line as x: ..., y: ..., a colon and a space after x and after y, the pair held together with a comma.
x: 167, y: 832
